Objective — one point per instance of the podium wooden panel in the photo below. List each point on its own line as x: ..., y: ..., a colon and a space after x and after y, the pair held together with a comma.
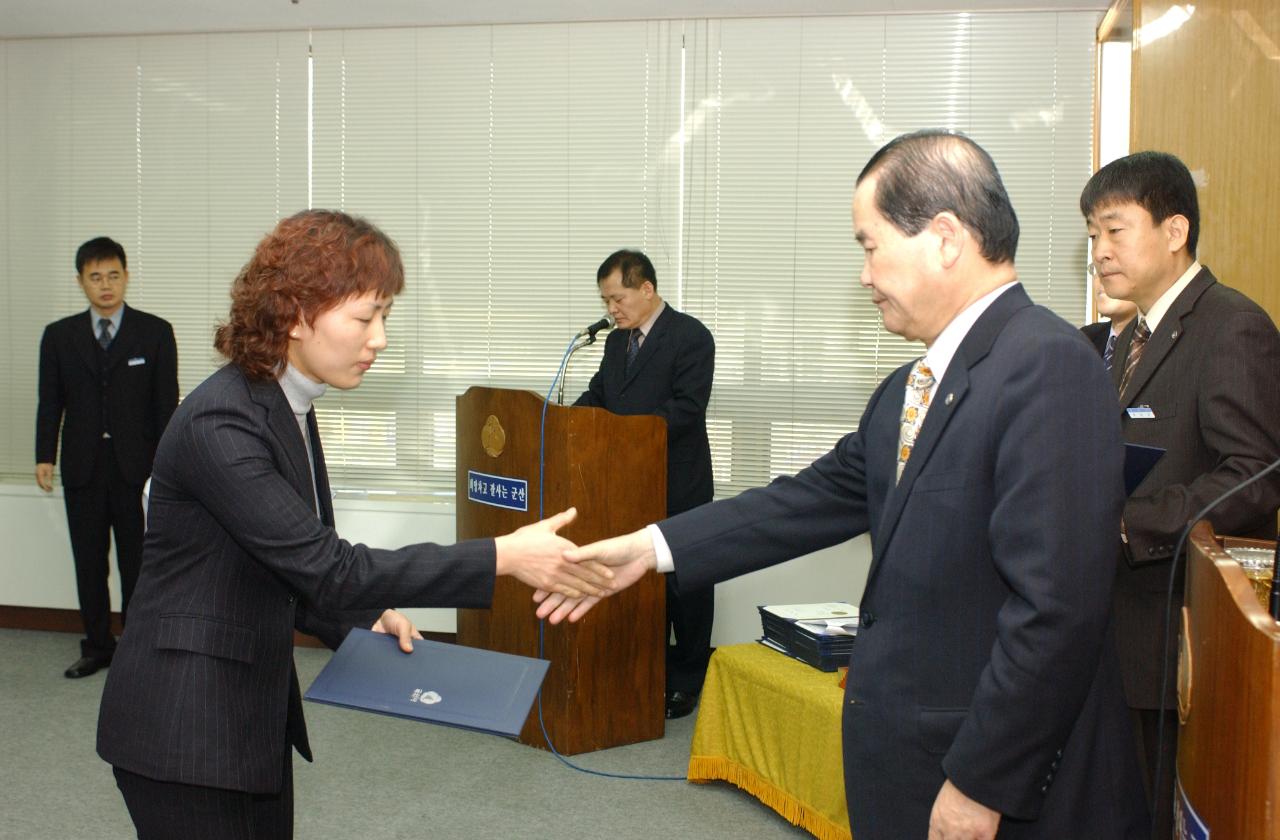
x: 1228, y: 696
x: 605, y: 686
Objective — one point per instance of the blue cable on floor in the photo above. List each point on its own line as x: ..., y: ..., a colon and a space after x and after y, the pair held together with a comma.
x: 542, y: 623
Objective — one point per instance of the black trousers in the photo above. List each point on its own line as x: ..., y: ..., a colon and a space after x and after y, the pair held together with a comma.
x: 107, y: 504
x: 689, y: 618
x: 174, y: 811
x: 1147, y: 734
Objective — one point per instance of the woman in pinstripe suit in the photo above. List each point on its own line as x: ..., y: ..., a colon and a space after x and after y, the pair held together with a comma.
x: 202, y: 707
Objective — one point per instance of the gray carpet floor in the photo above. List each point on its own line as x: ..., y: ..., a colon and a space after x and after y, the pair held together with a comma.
x: 374, y: 776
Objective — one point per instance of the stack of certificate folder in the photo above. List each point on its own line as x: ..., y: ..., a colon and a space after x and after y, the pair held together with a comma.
x: 819, y: 634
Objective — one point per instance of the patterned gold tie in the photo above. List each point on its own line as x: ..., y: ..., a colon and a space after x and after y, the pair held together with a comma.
x: 914, y: 408
x: 1136, y: 345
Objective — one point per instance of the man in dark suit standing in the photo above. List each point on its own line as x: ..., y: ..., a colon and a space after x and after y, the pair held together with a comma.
x: 660, y: 361
x: 1196, y: 374
x: 109, y: 379
x: 984, y: 693
x: 1104, y: 334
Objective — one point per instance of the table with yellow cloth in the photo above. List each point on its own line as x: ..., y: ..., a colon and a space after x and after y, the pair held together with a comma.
x: 770, y: 724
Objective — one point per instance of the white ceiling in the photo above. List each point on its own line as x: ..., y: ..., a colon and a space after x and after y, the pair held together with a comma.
x: 44, y: 18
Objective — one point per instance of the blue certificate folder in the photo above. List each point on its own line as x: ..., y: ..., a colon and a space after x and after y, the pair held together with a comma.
x: 437, y: 683
x: 1138, y: 461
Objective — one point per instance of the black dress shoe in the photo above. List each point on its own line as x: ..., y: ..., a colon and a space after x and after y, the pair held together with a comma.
x: 86, y: 665
x: 680, y: 703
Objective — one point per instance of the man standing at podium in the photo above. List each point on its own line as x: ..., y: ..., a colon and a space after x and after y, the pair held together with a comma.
x: 1196, y: 374
x: 660, y: 361
x: 984, y: 692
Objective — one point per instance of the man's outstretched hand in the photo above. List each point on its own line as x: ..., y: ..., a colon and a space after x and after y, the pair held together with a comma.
x: 627, y: 557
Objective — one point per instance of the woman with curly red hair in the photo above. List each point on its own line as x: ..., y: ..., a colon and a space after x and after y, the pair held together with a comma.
x: 202, y: 708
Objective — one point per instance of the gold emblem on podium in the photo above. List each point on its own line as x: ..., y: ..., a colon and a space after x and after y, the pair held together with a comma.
x: 493, y: 437
x: 1186, y: 681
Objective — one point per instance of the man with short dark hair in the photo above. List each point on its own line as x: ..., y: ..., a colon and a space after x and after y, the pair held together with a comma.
x: 984, y: 693
x: 660, y: 361
x: 109, y: 381
x: 1196, y: 374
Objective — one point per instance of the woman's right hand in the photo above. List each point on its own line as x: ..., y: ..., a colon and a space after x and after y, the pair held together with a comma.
x: 535, y: 555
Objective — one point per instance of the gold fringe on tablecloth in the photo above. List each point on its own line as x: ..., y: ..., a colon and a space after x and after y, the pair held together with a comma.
x: 718, y: 768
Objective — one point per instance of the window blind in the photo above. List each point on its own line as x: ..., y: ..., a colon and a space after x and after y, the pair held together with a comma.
x: 791, y: 111
x: 507, y: 162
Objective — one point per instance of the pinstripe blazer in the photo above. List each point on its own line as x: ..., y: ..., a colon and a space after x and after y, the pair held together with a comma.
x: 202, y: 689
x: 1208, y: 374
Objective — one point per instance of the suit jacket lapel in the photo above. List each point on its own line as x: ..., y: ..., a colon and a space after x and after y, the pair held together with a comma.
x: 322, y: 473
x: 647, y: 349
x: 116, y: 349
x: 86, y: 345
x: 947, y: 399
x: 1166, y: 335
x: 283, y: 424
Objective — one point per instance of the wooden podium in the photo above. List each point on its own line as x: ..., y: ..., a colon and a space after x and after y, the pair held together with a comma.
x: 1228, y: 697
x: 606, y: 683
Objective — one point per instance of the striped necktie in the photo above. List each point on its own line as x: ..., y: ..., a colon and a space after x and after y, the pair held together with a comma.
x: 1109, y: 355
x: 104, y: 332
x: 1141, y: 333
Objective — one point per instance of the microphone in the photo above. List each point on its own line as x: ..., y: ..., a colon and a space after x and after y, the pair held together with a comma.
x: 589, y: 333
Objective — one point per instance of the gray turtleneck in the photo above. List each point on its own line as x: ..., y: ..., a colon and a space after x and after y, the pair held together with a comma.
x: 301, y: 392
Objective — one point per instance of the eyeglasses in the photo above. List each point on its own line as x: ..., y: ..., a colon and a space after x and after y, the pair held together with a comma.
x: 104, y: 279
x: 1091, y: 269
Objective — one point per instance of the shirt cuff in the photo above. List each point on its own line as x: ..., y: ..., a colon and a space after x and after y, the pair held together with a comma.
x: 665, y: 562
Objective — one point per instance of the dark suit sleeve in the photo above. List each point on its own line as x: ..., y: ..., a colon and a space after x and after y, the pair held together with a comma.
x: 694, y: 369
x: 165, y: 385
x: 1239, y: 417
x: 332, y: 629
x: 49, y: 393
x: 233, y: 475
x: 1057, y: 492
x: 821, y: 506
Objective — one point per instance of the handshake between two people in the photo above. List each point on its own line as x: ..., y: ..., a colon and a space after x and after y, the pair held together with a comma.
x: 569, y: 580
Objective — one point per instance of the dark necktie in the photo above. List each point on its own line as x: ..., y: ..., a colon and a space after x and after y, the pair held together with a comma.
x: 1141, y: 333
x: 633, y: 347
x: 1109, y: 355
x: 104, y: 332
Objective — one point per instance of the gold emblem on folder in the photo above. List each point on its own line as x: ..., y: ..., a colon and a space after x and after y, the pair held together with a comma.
x: 493, y: 437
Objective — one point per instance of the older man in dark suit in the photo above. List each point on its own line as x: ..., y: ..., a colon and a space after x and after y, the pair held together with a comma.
x: 984, y: 693
x: 109, y: 379
x: 660, y: 361
x: 1196, y: 372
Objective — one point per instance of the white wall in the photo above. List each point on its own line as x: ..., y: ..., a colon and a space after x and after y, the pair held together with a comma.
x: 36, y: 568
